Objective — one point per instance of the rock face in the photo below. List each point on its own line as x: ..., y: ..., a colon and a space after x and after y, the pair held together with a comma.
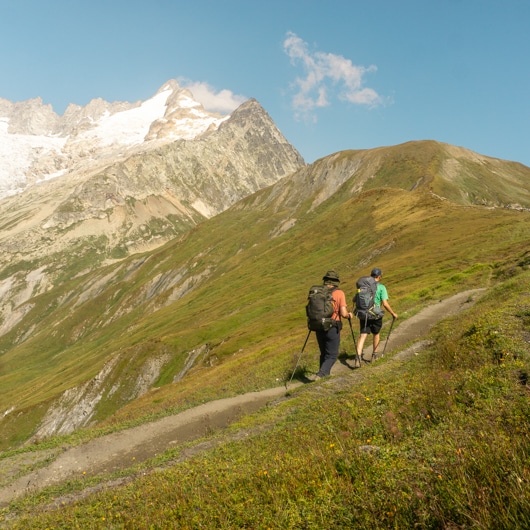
x: 165, y: 159
x: 109, y: 179
x: 37, y: 145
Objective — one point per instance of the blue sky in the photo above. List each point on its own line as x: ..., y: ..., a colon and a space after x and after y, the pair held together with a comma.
x: 333, y: 74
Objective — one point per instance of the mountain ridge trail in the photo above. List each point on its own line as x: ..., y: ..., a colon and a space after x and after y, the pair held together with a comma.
x: 124, y: 449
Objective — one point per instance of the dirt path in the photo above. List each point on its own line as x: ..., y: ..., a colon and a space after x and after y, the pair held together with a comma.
x: 418, y: 326
x: 123, y: 449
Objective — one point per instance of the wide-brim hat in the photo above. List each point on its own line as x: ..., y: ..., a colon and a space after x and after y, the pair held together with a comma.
x: 331, y: 276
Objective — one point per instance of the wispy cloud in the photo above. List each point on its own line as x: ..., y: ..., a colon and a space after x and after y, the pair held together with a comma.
x: 326, y: 73
x: 224, y: 101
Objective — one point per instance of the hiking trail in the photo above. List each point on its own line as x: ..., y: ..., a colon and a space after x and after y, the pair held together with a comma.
x: 124, y: 449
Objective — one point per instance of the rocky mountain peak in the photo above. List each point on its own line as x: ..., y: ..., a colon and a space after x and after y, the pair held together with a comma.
x: 36, y: 144
x: 30, y: 117
x: 184, y: 117
x: 130, y: 176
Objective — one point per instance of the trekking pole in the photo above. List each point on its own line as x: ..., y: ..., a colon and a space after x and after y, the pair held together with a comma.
x: 354, y: 343
x: 299, y: 357
x: 388, y: 336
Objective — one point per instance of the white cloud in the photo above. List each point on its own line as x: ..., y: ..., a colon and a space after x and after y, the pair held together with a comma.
x: 325, y: 72
x: 224, y: 101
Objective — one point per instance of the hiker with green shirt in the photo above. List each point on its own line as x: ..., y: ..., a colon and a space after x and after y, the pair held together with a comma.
x: 374, y: 325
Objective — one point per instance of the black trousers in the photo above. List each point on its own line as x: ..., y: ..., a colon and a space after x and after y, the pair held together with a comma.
x: 328, y: 343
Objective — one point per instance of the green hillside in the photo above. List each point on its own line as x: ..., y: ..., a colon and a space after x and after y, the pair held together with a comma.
x: 250, y: 310
x: 437, y: 442
x: 229, y: 285
x: 230, y: 295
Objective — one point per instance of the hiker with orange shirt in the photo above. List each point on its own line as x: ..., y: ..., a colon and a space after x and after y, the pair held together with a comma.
x: 329, y: 341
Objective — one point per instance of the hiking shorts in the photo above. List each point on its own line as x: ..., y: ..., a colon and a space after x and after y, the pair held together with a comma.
x: 371, y: 326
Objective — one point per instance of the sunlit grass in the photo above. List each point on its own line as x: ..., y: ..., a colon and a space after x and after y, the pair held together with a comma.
x: 440, y: 441
x: 249, y: 313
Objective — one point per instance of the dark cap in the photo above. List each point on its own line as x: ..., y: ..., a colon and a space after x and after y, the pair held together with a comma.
x: 376, y: 272
x: 331, y: 275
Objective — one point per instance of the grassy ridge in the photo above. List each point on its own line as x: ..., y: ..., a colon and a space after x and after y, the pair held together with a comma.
x: 429, y: 248
x: 437, y: 442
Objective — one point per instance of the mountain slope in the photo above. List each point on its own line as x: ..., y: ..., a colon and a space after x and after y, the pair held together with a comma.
x: 120, y: 198
x: 115, y: 191
x: 220, y: 311
x: 142, y: 442
x: 453, y: 173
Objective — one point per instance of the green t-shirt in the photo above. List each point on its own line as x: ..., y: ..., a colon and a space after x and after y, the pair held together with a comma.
x: 380, y: 294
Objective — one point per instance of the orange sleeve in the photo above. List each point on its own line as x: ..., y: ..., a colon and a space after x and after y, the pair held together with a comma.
x: 340, y: 300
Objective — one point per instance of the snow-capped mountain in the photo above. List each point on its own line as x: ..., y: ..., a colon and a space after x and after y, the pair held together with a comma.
x: 108, y: 180
x: 37, y: 145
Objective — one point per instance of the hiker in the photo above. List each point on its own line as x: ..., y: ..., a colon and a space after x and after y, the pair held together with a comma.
x: 329, y: 341
x: 374, y: 325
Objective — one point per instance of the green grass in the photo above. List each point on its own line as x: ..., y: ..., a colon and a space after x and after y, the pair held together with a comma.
x: 255, y: 286
x: 235, y: 289
x: 438, y: 442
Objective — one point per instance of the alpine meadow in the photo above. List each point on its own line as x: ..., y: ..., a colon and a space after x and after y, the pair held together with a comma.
x: 432, y: 435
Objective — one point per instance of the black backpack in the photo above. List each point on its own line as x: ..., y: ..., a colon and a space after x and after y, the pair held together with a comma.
x: 319, y: 308
x: 364, y: 300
